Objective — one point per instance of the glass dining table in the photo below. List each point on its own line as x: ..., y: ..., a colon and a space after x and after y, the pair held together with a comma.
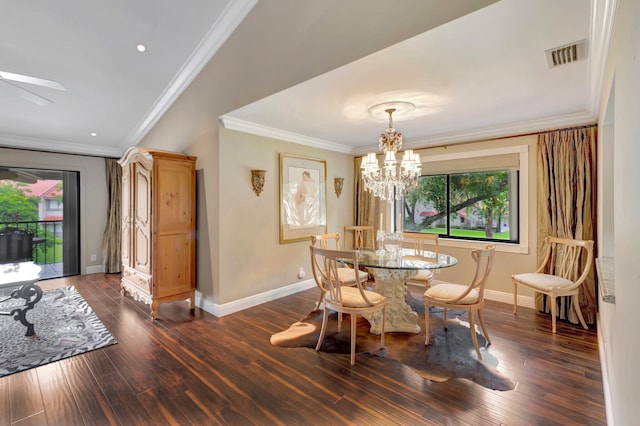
x: 390, y: 271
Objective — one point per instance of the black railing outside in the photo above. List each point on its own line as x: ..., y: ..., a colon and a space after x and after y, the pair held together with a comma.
x: 47, y: 239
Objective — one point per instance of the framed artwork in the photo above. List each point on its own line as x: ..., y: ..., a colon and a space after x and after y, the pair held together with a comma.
x: 303, y: 197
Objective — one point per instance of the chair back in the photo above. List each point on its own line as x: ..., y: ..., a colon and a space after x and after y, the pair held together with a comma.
x: 325, y: 264
x: 330, y: 241
x: 422, y: 243
x: 484, y: 262
x: 362, y: 236
x: 567, y: 258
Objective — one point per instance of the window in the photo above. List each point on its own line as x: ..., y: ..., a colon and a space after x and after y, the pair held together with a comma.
x: 54, y: 204
x: 476, y: 206
x: 472, y: 197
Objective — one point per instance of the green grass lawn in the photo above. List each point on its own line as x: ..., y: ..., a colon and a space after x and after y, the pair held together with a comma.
x: 471, y: 233
x: 50, y: 255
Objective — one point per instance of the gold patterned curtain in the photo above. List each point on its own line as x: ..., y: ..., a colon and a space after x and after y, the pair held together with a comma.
x: 567, y: 203
x: 112, y: 237
x: 368, y: 207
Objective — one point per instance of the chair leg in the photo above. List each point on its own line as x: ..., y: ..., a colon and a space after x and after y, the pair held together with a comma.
x: 575, y: 302
x: 484, y: 329
x: 353, y: 338
x: 319, y: 303
x: 445, y: 318
x: 339, y: 321
x: 427, y: 330
x: 325, y: 317
x: 515, y: 298
x: 384, y: 314
x: 553, y: 313
x: 474, y: 335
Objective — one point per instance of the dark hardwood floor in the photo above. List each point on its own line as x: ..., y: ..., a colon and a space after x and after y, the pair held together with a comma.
x: 197, y: 369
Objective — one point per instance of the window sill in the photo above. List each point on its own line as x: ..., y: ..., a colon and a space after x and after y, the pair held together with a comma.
x: 500, y: 247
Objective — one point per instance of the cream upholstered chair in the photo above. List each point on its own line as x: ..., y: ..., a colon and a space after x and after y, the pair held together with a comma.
x: 342, y: 299
x: 362, y: 236
x: 424, y: 245
x: 565, y: 266
x: 345, y: 273
x: 469, y: 297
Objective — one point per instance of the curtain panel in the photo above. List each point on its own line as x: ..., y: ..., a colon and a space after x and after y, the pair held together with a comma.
x: 567, y: 204
x: 367, y: 206
x: 111, y: 239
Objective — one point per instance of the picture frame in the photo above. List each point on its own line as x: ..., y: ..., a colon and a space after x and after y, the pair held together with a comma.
x: 303, y: 197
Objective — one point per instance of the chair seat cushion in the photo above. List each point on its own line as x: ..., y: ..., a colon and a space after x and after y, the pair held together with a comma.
x: 352, y: 298
x: 423, y: 275
x: 543, y: 282
x: 449, y: 291
x: 347, y: 276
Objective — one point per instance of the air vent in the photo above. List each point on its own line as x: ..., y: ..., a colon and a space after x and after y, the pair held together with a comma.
x: 566, y: 54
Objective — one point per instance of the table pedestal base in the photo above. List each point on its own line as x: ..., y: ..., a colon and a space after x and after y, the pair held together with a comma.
x: 399, y: 315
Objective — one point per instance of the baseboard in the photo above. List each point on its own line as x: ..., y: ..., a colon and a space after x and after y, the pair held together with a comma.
x: 96, y: 269
x: 220, y: 310
x: 500, y: 296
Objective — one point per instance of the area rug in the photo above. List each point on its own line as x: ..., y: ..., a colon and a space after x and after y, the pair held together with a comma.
x: 450, y: 355
x: 65, y: 326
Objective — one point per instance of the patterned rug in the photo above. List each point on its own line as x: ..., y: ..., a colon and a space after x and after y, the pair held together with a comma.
x: 450, y: 355
x: 65, y: 326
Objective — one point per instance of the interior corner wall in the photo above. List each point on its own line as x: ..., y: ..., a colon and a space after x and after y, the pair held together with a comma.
x: 252, y: 259
x: 93, y: 194
x: 621, y: 322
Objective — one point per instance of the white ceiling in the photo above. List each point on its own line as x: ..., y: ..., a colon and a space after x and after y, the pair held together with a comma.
x: 482, y: 75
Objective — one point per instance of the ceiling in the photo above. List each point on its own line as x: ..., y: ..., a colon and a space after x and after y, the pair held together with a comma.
x: 482, y: 75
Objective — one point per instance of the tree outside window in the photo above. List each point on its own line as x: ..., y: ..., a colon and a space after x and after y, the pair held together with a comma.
x: 475, y: 205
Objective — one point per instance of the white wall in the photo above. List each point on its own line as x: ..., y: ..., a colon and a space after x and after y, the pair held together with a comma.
x: 93, y: 195
x: 619, y: 323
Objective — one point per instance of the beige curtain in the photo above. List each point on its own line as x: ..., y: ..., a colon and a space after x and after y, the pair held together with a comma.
x: 367, y: 206
x: 112, y: 235
x: 567, y: 203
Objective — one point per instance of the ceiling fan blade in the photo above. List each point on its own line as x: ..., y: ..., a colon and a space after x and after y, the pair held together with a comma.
x: 26, y: 94
x: 31, y: 80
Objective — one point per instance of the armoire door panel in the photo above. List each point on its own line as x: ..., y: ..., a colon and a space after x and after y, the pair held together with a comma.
x: 174, y: 200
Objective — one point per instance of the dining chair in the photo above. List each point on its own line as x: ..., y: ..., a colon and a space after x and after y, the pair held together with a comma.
x: 565, y: 266
x: 469, y: 297
x: 353, y: 301
x: 362, y: 236
x: 425, y: 245
x: 345, y: 272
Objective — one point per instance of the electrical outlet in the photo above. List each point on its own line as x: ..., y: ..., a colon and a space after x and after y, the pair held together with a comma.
x: 93, y: 257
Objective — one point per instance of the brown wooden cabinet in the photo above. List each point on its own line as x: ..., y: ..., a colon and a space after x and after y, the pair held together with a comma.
x: 158, y: 226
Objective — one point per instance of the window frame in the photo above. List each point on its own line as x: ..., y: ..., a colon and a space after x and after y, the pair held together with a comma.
x: 522, y: 246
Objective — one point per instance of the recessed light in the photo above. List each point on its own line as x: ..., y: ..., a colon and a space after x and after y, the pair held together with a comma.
x: 141, y: 48
x: 93, y: 134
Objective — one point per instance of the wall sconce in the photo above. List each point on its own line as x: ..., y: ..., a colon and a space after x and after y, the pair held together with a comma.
x: 257, y: 180
x: 337, y: 185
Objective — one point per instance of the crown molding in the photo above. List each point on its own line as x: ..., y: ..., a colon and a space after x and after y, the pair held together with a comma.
x: 212, y: 41
x: 511, y: 129
x: 58, y: 146
x: 273, y: 133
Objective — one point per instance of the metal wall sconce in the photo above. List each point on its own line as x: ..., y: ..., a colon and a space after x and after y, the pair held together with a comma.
x: 257, y: 180
x: 337, y: 185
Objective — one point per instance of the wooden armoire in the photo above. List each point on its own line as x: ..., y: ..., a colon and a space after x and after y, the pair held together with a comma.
x: 158, y: 226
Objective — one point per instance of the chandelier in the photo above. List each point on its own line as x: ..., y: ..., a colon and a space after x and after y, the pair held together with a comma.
x: 391, y: 181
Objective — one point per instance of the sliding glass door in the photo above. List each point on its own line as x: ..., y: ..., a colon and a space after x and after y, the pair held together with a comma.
x: 46, y: 203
